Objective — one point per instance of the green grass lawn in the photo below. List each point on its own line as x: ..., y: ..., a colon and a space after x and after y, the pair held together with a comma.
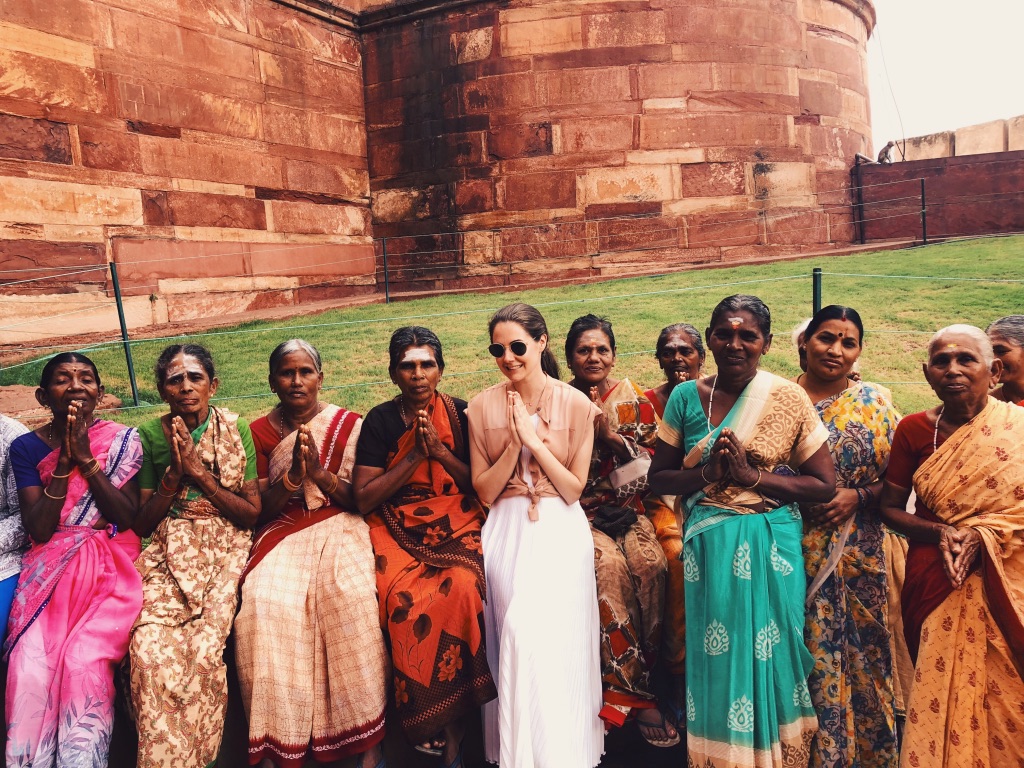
x: 899, y: 314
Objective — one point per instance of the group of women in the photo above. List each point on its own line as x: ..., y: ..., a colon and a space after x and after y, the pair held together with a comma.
x: 717, y: 558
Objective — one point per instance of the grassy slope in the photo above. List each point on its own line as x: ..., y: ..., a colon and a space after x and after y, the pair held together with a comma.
x: 898, y: 313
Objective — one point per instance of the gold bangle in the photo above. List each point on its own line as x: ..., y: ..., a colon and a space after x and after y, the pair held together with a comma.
x: 51, y: 496
x: 288, y: 485
x: 61, y: 477
x: 751, y: 487
x: 334, y: 485
x: 94, y: 470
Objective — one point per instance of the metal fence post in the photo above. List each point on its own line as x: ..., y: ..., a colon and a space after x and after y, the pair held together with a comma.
x: 387, y: 287
x: 924, y: 216
x: 124, y: 332
x: 816, y: 289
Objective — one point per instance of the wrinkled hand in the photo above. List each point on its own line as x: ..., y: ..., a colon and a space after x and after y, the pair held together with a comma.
x: 732, y: 451
x: 964, y: 545
x: 76, y: 436
x: 297, y: 471
x: 310, y: 451
x: 427, y: 433
x: 522, y: 424
x: 188, y: 456
x: 678, y: 377
x: 836, y: 512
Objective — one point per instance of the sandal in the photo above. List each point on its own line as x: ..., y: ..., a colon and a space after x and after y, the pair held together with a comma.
x: 435, y: 748
x: 649, y: 731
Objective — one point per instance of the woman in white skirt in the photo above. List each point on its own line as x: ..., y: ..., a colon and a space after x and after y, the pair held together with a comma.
x: 530, y: 439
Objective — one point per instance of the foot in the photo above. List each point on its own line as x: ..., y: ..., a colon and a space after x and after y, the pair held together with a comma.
x: 452, y: 756
x: 371, y: 758
x: 434, y: 746
x: 655, y: 729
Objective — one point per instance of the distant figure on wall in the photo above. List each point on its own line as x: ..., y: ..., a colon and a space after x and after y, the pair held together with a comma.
x: 885, y: 155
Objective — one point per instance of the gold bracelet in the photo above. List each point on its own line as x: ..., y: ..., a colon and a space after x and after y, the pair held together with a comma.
x: 55, y: 498
x: 61, y: 477
x: 94, y: 470
x: 160, y: 491
x: 751, y: 487
x: 288, y: 485
x: 334, y: 485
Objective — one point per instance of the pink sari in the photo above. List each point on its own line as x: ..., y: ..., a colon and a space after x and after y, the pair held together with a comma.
x: 76, y: 599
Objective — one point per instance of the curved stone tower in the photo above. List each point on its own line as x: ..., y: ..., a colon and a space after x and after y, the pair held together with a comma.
x: 566, y: 140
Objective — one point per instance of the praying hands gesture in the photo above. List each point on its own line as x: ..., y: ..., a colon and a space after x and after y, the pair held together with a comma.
x: 185, y: 459
x: 730, y: 457
x: 959, y: 549
x: 75, y: 446
x: 520, y: 424
x: 428, y: 442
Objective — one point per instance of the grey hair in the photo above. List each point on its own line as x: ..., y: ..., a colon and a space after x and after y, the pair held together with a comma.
x: 294, y: 345
x: 973, y: 332
x: 1010, y: 328
x: 798, y: 332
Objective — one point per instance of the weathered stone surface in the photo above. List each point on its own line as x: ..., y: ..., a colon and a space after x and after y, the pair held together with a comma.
x: 23, y: 138
x: 311, y: 218
x: 710, y: 179
x: 925, y: 147
x: 190, y: 209
x: 981, y: 139
x: 473, y: 45
x: 541, y: 36
x: 597, y: 135
x: 1015, y: 133
x: 550, y: 190
x: 630, y: 184
x: 519, y: 140
x: 55, y: 202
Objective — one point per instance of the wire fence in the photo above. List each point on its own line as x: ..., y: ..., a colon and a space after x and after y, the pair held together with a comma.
x: 632, y: 234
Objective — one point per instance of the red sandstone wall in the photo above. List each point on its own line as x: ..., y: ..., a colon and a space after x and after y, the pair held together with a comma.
x: 183, y: 139
x: 971, y: 195
x: 728, y: 122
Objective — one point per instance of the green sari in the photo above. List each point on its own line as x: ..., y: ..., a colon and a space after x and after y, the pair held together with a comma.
x: 747, y: 701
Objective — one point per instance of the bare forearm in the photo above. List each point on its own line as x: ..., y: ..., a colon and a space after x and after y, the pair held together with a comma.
x: 242, y: 509
x: 911, y: 526
x: 568, y: 485
x: 804, y: 488
x: 492, y: 481
x: 272, y: 500
x: 457, y: 468
x: 677, y: 482
x: 372, y: 493
x: 151, y: 512
x: 114, y: 504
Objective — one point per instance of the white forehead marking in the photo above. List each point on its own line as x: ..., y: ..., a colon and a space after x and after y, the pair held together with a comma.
x: 735, y: 321
x: 417, y: 355
x: 176, y: 369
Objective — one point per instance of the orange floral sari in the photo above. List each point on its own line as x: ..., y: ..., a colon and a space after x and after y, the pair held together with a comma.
x: 430, y: 581
x: 966, y: 707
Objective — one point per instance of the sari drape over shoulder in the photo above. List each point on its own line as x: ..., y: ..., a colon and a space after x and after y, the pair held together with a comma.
x: 312, y: 665
x: 190, y: 573
x: 746, y: 664
x: 846, y: 596
x: 77, y: 596
x: 630, y: 566
x: 430, y: 578
x: 965, y: 707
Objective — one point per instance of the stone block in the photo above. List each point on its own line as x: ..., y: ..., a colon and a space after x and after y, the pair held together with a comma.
x: 23, y: 138
x: 349, y: 183
x: 761, y: 80
x: 310, y: 218
x: 541, y: 36
x: 81, y: 20
x: 480, y: 248
x: 666, y: 156
x: 733, y: 26
x: 788, y: 184
x: 394, y: 205
x: 46, y: 46
x: 611, y: 30
x: 195, y: 209
x: 57, y: 202
x: 187, y: 108
x: 455, y: 149
x: 282, y: 125
x: 539, y: 190
x: 583, y: 86
x: 642, y: 233
x: 280, y: 24
x: 519, y: 140
x: 503, y: 92
x: 321, y: 83
x: 146, y: 38
x: 675, y: 80
x: 51, y: 82
x: 153, y: 129
x: 141, y: 263
x: 981, y: 139
x: 817, y: 97
x: 296, y: 259
x: 736, y: 101
x: 710, y: 130
x: 926, y: 147
x: 621, y: 56
x: 191, y: 160
x: 633, y: 183
x: 474, y: 45
x: 17, y: 255
x: 598, y: 135
x: 474, y: 196
x: 547, y: 241
x: 1015, y: 134
x: 833, y: 54
x: 713, y: 179
x: 723, y: 229
x: 796, y: 227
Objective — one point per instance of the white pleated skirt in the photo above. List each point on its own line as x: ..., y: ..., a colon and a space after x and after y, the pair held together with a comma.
x: 542, y: 637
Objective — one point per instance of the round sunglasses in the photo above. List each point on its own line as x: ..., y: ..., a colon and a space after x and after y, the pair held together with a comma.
x: 518, y: 348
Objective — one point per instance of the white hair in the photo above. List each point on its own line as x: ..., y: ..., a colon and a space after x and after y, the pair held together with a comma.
x: 979, y: 336
x: 799, y: 331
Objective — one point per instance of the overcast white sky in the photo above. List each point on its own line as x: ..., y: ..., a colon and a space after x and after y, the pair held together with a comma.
x: 951, y: 64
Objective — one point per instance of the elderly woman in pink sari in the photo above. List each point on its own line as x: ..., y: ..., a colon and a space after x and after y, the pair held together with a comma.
x: 78, y: 592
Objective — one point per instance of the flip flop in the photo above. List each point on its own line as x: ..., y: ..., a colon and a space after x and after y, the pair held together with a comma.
x: 668, y: 741
x: 432, y: 751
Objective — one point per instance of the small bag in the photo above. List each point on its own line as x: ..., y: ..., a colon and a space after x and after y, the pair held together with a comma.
x: 631, y: 478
